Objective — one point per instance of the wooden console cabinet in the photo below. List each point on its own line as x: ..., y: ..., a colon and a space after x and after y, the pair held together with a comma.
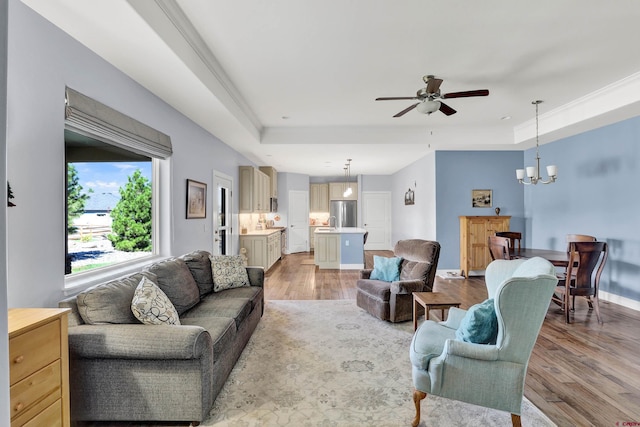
x: 474, y: 233
x: 39, y: 367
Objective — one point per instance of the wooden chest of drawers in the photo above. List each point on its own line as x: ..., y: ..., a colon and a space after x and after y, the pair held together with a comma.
x: 39, y: 367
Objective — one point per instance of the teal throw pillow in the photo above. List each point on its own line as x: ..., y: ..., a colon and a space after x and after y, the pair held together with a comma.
x: 480, y: 324
x: 386, y: 269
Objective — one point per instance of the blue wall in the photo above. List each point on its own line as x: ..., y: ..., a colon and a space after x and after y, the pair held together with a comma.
x: 596, y: 194
x: 460, y: 172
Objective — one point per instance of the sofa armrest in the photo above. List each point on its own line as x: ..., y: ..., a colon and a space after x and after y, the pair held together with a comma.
x: 407, y: 286
x: 256, y: 276
x: 470, y: 350
x: 138, y: 341
x: 366, y: 273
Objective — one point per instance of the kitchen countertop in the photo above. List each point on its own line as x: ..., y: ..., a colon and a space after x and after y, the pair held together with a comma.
x: 264, y: 232
x: 339, y: 230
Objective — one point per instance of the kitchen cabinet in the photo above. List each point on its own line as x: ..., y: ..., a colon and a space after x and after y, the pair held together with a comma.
x: 319, y: 198
x: 474, y: 233
x: 254, y: 190
x: 263, y: 250
x: 272, y: 173
x: 39, y: 367
x: 326, y: 253
x: 337, y: 189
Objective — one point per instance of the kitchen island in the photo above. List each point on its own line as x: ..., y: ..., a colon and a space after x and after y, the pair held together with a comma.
x: 339, y: 248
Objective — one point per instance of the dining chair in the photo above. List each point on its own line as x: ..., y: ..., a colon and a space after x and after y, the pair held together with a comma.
x: 515, y: 238
x: 574, y: 238
x: 586, y: 262
x: 499, y: 247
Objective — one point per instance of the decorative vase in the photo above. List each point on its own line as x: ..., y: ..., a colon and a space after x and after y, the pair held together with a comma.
x: 497, y: 211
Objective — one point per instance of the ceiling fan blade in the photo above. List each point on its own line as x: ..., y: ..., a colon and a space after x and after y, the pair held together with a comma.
x: 395, y: 98
x: 406, y: 110
x: 466, y: 94
x: 446, y: 109
x: 433, y: 85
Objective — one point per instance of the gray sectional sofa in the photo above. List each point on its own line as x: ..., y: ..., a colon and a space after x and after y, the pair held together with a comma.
x: 123, y: 370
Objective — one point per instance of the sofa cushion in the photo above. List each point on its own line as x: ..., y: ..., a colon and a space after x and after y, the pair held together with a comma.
x: 110, y: 302
x: 151, y: 306
x: 414, y: 270
x: 480, y: 324
x: 176, y: 281
x: 229, y: 272
x: 237, y: 309
x: 252, y: 293
x: 386, y: 269
x: 200, y: 267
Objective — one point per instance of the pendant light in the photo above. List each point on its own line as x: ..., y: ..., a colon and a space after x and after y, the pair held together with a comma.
x: 533, y: 172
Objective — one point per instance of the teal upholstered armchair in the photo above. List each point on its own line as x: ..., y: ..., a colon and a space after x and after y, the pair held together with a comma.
x: 489, y: 375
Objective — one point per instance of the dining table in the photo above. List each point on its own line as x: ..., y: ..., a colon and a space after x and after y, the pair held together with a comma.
x: 557, y: 258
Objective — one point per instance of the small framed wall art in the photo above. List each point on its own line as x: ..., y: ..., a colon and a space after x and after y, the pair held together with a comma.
x: 481, y: 198
x: 196, y: 199
x: 409, y: 197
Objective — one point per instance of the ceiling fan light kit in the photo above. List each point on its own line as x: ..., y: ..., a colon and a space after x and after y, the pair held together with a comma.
x: 533, y: 172
x: 428, y: 107
x: 429, y: 95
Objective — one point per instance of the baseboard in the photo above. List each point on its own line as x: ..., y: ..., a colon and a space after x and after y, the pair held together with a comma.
x: 617, y: 299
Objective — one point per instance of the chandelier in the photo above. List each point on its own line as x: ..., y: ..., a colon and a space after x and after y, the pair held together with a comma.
x: 347, y: 174
x: 533, y: 172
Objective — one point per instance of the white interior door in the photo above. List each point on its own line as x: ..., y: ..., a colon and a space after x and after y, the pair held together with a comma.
x: 298, y: 218
x: 376, y: 219
x: 222, y: 214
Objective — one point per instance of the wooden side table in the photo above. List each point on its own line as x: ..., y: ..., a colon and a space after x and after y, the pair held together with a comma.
x: 430, y: 301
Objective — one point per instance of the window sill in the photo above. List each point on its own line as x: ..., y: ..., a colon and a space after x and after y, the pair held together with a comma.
x: 80, y: 281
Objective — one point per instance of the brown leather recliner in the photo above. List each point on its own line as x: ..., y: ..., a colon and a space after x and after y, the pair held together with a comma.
x: 393, y: 301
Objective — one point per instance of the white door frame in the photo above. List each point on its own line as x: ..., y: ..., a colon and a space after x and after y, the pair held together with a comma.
x: 221, y: 180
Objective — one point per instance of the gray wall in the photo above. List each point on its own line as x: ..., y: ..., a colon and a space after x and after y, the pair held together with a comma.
x: 42, y: 61
x: 417, y: 221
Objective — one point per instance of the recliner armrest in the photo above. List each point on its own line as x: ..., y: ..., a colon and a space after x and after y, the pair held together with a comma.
x: 407, y: 286
x: 470, y: 350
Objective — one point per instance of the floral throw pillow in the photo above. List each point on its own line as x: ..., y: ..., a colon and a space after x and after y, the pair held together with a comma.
x: 228, y: 271
x: 151, y: 306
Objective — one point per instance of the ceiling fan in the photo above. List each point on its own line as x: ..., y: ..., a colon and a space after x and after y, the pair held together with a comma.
x: 429, y: 95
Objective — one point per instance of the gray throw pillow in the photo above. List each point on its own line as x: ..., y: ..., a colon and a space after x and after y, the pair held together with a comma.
x: 200, y: 266
x: 110, y: 302
x: 176, y: 281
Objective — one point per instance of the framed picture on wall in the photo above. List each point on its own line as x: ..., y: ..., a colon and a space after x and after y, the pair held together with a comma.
x: 481, y: 198
x: 196, y: 199
x: 409, y: 197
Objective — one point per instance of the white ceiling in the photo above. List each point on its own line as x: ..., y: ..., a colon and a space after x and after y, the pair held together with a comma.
x: 292, y: 83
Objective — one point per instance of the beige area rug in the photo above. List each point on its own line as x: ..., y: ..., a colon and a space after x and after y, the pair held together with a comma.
x: 330, y: 364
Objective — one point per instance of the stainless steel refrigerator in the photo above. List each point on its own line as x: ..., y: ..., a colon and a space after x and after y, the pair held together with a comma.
x: 344, y: 211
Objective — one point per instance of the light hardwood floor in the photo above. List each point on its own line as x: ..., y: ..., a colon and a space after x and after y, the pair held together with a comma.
x: 582, y: 374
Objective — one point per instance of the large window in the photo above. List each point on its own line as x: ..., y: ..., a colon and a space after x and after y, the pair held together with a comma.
x: 109, y: 204
x: 113, y: 180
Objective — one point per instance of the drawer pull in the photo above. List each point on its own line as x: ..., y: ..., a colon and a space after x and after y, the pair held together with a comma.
x: 19, y: 407
x: 19, y: 359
